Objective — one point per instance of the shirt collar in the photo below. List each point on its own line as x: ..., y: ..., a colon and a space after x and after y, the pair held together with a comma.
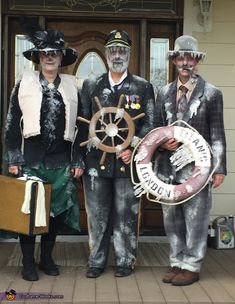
x: 112, y: 83
x: 190, y: 85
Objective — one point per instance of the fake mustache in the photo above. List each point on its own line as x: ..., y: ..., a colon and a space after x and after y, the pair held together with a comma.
x: 185, y: 67
x: 118, y: 62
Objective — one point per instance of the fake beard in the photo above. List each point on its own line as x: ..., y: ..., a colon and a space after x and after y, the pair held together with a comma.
x: 118, y: 66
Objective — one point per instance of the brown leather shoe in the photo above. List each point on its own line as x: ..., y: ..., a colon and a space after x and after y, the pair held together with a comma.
x: 171, y: 273
x: 185, y: 277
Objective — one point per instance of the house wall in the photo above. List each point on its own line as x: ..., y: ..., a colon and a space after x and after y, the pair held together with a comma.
x: 219, y: 69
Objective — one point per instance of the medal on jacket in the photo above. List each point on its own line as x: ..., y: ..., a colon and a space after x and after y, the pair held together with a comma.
x: 127, y: 105
x: 137, y: 103
x: 133, y: 102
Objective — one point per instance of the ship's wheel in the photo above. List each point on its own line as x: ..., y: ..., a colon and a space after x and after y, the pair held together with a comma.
x: 111, y: 128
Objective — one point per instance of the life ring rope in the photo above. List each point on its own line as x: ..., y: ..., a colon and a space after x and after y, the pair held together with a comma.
x: 143, y: 186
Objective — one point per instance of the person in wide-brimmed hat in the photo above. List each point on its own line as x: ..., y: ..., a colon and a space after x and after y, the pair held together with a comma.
x: 200, y: 104
x: 47, y: 103
x: 111, y: 204
x: 50, y: 41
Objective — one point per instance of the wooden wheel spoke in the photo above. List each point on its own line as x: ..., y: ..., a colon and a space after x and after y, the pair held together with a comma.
x: 110, y: 118
x: 84, y: 143
x: 121, y: 100
x: 83, y: 120
x: 98, y: 102
x: 119, y: 120
x: 123, y: 129
x: 104, y: 139
x: 102, y: 122
x: 113, y: 145
x: 138, y: 116
x: 120, y: 137
x: 103, y: 158
x: 99, y: 131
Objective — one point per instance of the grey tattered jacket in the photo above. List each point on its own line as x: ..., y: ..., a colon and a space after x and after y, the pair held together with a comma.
x: 204, y: 113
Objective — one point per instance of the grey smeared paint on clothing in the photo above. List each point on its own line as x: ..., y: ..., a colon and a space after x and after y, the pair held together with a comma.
x: 93, y: 173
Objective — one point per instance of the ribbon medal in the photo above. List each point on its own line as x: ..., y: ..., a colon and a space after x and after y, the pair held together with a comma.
x: 134, y: 102
x: 127, y: 105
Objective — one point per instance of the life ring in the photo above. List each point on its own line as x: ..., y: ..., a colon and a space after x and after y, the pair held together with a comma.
x: 168, y: 193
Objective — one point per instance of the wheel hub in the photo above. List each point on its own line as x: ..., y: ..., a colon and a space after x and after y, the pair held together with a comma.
x: 111, y: 130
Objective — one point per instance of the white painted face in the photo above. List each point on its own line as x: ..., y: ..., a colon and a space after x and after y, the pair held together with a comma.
x: 185, y: 65
x: 50, y: 60
x: 118, y: 58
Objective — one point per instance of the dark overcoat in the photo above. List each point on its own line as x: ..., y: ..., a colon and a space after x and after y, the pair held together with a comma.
x: 139, y: 98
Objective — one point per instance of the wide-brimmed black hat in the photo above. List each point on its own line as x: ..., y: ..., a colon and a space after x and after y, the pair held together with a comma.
x: 50, y: 40
x: 118, y: 37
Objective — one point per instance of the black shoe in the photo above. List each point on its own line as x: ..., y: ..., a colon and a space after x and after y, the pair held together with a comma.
x: 49, y: 268
x: 29, y: 272
x: 94, y: 272
x: 123, y: 271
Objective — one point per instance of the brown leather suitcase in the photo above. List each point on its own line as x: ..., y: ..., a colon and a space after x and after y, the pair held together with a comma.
x: 12, y: 192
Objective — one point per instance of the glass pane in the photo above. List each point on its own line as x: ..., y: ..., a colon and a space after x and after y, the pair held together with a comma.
x: 159, y: 63
x: 21, y: 63
x: 165, y: 6
x: 91, y: 66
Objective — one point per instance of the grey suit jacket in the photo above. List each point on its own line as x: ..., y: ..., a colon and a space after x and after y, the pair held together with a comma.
x: 204, y: 113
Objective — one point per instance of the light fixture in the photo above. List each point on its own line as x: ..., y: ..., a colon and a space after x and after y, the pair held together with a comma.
x: 205, y: 9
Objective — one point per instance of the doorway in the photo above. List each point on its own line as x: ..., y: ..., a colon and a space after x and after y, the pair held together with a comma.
x: 150, y: 42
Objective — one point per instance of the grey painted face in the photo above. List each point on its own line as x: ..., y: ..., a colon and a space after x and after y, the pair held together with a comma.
x: 118, y: 58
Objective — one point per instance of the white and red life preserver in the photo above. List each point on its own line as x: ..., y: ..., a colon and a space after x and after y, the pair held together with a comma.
x: 149, y: 183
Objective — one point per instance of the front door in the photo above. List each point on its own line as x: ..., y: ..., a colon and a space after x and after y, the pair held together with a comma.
x: 149, y: 45
x: 88, y: 38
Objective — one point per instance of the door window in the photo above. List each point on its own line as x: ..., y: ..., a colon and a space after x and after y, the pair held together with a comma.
x: 159, y: 64
x: 91, y: 66
x: 21, y: 63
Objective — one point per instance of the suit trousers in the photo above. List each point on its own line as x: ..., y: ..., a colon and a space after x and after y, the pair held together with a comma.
x: 186, y: 226
x: 111, y: 208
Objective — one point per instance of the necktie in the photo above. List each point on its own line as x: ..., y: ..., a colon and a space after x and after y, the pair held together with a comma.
x: 182, y: 102
x: 115, y: 88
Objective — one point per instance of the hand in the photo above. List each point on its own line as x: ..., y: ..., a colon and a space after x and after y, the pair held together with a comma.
x: 170, y: 145
x: 14, y: 169
x: 77, y: 172
x: 217, y: 180
x: 126, y: 156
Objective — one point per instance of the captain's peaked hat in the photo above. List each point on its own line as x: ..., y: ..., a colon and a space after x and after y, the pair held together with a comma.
x: 118, y: 38
x: 186, y: 45
x: 46, y: 41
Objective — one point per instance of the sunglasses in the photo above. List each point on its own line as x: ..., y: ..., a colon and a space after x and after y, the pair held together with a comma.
x: 122, y: 50
x: 54, y: 53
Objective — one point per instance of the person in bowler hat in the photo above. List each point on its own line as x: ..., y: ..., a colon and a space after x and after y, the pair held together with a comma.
x: 111, y: 205
x: 41, y: 140
x: 200, y: 104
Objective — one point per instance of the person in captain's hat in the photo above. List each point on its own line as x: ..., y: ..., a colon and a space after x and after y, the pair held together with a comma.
x: 110, y: 201
x: 47, y: 102
x: 191, y: 99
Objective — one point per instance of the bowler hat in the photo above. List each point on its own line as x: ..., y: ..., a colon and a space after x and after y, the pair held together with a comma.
x: 186, y: 45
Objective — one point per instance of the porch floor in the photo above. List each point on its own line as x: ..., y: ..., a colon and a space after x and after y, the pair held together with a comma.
x: 217, y: 283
